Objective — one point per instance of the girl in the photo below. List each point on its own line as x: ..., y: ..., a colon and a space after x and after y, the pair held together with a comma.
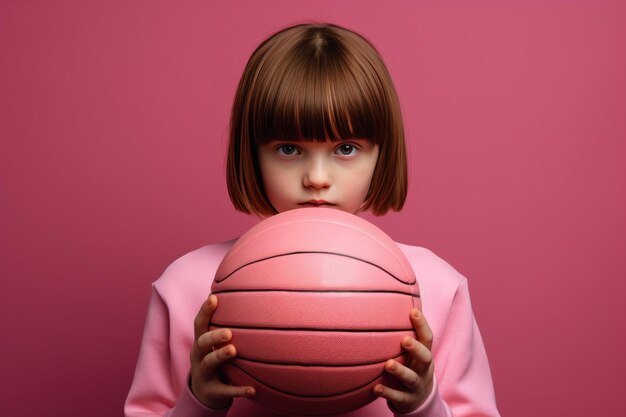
x: 315, y: 122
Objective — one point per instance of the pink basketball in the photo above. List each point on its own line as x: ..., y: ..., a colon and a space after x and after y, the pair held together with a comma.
x: 318, y: 300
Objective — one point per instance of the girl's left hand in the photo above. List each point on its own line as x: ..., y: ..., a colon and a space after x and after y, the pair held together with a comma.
x: 417, y: 376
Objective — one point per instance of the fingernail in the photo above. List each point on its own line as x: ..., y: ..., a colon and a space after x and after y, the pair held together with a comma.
x: 416, y: 313
x: 407, y: 342
x: 391, y: 365
x: 211, y: 300
x: 250, y: 392
x: 226, y: 335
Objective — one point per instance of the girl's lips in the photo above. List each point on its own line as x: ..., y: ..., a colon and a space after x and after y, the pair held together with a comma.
x: 316, y: 203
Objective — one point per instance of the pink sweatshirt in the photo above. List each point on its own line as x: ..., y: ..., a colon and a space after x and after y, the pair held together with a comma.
x: 463, y: 385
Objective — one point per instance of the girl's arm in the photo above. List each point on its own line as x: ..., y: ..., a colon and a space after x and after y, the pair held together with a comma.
x: 154, y: 391
x: 462, y: 384
x: 465, y: 382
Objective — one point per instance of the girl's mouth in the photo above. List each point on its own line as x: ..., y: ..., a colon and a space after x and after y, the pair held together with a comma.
x: 316, y: 203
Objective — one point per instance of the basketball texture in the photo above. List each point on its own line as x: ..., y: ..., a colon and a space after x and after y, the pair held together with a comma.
x: 318, y: 300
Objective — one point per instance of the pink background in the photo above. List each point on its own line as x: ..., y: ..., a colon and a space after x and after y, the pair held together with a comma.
x: 113, y: 124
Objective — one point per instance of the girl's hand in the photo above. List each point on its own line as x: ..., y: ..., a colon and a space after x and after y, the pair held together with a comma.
x: 417, y: 376
x: 210, y: 349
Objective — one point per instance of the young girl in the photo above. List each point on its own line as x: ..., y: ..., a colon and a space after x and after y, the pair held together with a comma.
x: 315, y: 122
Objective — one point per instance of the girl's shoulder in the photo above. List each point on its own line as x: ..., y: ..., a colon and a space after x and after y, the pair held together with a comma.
x: 194, y: 269
x: 430, y: 269
x: 441, y: 286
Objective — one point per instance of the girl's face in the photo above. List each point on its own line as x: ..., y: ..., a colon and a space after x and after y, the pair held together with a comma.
x: 300, y: 174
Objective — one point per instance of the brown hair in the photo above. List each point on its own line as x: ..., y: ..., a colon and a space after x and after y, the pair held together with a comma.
x: 316, y: 82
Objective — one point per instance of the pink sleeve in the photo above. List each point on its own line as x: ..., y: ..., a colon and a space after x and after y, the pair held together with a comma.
x: 154, y: 391
x: 463, y: 385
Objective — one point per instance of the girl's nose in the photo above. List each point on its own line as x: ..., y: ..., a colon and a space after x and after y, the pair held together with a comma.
x: 317, y: 175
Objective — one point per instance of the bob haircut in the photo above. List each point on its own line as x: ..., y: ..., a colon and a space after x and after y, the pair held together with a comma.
x: 316, y: 82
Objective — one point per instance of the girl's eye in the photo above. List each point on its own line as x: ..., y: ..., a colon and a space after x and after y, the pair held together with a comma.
x: 347, y: 149
x: 287, y: 150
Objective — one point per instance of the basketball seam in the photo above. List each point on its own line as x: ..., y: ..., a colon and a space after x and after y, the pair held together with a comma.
x: 316, y: 291
x: 307, y: 329
x: 309, y: 365
x: 309, y: 252
x: 307, y: 396
x: 245, y: 240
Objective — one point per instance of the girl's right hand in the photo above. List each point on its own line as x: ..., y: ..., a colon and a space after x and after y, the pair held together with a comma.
x: 209, y: 351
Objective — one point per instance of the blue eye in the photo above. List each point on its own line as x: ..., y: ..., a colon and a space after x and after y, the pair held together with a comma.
x: 287, y: 150
x: 347, y: 149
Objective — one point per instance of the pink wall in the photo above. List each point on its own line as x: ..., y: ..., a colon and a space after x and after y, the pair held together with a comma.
x: 113, y: 121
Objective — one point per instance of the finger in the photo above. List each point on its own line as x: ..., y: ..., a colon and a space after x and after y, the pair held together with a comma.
x: 221, y: 390
x: 400, y: 399
x: 421, y: 358
x: 203, y: 318
x: 213, y: 360
x: 422, y: 329
x: 407, y: 376
x: 217, y: 394
x: 211, y: 339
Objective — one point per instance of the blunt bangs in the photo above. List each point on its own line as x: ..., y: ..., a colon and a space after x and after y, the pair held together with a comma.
x: 324, y: 92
